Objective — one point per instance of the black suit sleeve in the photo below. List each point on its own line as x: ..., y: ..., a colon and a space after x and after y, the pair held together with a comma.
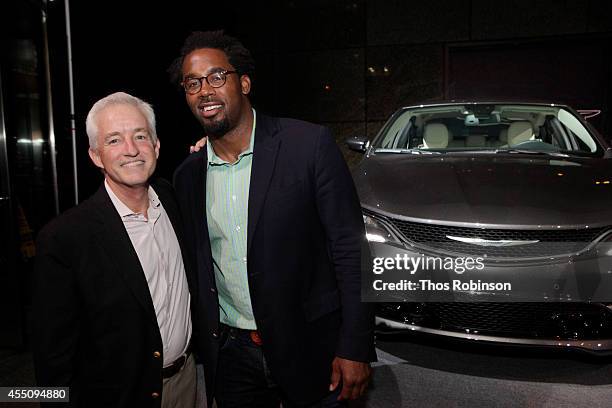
x: 340, y: 213
x: 55, y: 312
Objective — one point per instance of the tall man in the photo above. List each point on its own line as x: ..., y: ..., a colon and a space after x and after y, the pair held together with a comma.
x: 273, y: 213
x: 112, y: 317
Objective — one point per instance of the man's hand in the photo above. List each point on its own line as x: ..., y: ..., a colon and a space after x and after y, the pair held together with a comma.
x: 199, y: 144
x: 354, y: 376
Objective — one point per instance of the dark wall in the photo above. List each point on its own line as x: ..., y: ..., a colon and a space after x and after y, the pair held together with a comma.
x: 347, y: 64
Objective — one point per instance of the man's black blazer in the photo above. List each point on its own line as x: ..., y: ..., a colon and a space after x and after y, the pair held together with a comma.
x: 94, y: 324
x: 305, y: 236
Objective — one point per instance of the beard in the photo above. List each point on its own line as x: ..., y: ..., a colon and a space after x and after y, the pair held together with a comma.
x: 216, y: 129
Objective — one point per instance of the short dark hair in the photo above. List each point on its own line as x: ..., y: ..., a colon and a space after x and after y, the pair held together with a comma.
x: 237, y: 54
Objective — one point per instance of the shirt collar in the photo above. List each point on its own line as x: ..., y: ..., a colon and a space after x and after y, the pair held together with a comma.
x: 124, y: 210
x: 215, y: 160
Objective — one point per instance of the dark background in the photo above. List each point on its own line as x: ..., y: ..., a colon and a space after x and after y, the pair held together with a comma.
x: 345, y: 64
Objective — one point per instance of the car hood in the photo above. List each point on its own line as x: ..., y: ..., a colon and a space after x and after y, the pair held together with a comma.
x: 490, y: 189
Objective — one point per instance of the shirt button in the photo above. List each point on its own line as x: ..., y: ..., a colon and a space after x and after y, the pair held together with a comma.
x: 237, y: 227
x: 155, y: 395
x: 156, y: 354
x: 234, y: 197
x: 244, y: 259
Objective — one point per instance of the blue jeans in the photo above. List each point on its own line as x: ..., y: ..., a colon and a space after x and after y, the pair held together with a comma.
x: 243, y: 378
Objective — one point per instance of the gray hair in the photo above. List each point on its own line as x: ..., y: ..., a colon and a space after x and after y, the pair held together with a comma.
x: 117, y: 98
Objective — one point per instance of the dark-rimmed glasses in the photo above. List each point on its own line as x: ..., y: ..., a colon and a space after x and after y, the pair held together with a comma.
x: 215, y: 79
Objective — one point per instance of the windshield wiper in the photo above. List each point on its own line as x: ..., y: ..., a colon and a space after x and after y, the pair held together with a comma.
x: 413, y: 151
x: 532, y: 152
x: 410, y: 151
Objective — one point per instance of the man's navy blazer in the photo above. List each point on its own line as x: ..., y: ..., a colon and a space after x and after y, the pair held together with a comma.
x: 305, y: 239
x: 94, y: 323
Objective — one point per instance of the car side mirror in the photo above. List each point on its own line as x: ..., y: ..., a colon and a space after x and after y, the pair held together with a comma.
x: 358, y: 143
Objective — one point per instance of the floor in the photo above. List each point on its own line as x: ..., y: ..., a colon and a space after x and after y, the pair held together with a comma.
x: 425, y: 372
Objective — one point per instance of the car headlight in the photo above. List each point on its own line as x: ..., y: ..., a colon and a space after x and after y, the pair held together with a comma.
x: 376, y: 231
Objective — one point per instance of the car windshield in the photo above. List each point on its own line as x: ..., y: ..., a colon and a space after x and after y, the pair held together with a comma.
x: 512, y: 128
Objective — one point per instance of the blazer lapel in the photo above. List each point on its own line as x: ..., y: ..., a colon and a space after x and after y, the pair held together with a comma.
x: 262, y: 168
x: 198, y: 209
x: 113, y: 237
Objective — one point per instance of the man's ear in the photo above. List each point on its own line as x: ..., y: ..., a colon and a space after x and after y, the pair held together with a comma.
x: 95, y: 158
x: 245, y: 84
x: 157, y: 144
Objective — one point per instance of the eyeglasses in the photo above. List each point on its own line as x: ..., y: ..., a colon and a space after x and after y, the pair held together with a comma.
x: 216, y: 80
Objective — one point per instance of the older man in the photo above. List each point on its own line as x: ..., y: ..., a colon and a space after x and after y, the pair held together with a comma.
x: 112, y: 317
x: 274, y: 217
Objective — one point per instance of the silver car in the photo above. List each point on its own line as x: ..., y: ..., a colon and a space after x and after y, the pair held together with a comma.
x: 525, y: 187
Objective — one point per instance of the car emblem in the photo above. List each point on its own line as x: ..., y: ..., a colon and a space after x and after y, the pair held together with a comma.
x: 492, y: 242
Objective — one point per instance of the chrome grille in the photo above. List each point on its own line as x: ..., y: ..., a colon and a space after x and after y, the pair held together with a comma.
x: 551, y: 242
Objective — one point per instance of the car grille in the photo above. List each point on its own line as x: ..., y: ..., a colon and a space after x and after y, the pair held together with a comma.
x: 562, y: 321
x: 551, y: 242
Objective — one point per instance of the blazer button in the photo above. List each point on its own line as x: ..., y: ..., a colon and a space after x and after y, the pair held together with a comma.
x: 156, y: 354
x: 155, y: 395
x: 213, y: 290
x: 215, y: 334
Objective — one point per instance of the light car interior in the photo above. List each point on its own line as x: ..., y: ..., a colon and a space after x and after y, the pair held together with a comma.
x: 486, y: 127
x: 435, y: 136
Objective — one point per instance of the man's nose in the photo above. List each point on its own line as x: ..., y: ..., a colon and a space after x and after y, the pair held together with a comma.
x: 206, y: 89
x: 131, y: 148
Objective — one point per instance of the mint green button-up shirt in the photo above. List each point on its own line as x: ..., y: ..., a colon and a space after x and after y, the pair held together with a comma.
x: 227, y: 199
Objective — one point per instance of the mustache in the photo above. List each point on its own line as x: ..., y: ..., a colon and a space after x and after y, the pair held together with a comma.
x: 208, y: 99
